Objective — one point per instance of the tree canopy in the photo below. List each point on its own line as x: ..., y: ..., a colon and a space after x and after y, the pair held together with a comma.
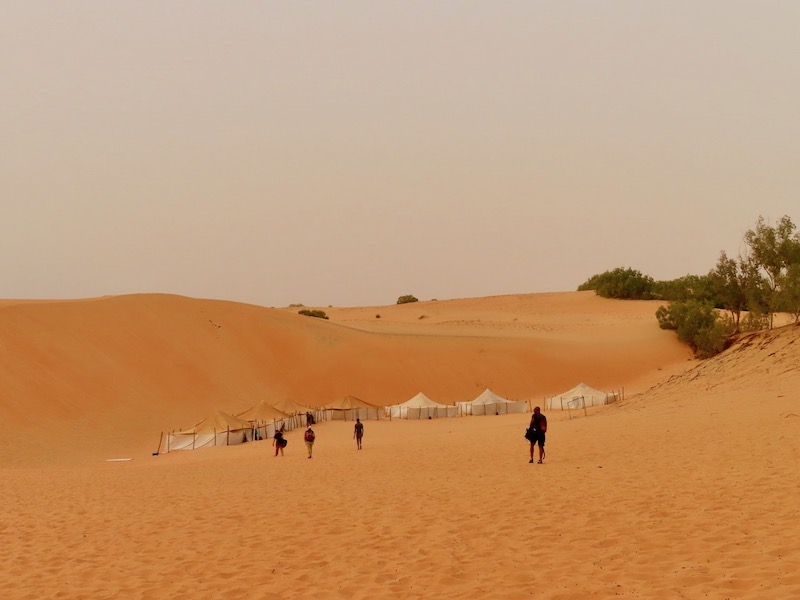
x: 750, y: 287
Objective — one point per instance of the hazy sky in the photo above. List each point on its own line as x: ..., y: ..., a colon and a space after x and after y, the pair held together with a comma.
x: 347, y: 153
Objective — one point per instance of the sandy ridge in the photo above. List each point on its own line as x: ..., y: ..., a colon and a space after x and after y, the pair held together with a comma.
x: 685, y: 490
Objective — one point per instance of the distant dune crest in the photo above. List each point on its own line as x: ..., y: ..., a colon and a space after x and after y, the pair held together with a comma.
x: 111, y: 373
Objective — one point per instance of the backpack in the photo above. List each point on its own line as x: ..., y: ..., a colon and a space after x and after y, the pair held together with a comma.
x: 309, y: 436
x: 543, y: 425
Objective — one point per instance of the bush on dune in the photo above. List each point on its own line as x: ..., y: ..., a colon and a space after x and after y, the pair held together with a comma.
x: 623, y: 283
x: 320, y: 314
x: 698, y: 325
x: 751, y: 288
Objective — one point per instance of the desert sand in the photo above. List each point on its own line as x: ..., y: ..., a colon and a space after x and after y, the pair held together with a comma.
x: 686, y: 488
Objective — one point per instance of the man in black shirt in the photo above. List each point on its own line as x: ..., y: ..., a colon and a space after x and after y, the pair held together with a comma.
x: 539, y: 428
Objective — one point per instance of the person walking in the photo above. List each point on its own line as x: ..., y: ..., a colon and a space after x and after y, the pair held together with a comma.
x: 358, y: 432
x: 538, y: 430
x: 279, y: 442
x: 309, y: 438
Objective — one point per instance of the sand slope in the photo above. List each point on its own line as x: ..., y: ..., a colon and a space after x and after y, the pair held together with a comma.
x: 688, y: 490
x: 107, y: 376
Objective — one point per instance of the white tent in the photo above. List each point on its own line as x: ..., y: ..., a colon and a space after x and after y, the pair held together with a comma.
x: 218, y: 429
x: 266, y: 420
x: 297, y: 412
x: 421, y: 407
x: 489, y: 403
x: 289, y: 405
x: 351, y: 408
x: 580, y: 396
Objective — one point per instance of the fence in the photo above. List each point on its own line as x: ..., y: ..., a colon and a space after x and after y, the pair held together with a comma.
x: 421, y: 412
x: 351, y: 414
x: 498, y: 408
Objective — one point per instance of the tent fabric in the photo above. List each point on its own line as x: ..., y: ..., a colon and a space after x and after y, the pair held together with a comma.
x: 489, y: 403
x: 263, y: 411
x: 289, y: 406
x: 265, y: 420
x: 580, y: 396
x: 350, y: 408
x: 347, y: 403
x: 218, y: 421
x: 218, y: 429
x: 420, y: 407
x: 299, y: 412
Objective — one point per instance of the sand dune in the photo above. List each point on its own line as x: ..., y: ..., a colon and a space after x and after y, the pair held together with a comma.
x: 111, y: 374
x: 688, y: 489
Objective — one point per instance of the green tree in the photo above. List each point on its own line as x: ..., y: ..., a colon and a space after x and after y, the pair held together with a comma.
x: 759, y: 303
x: 406, y: 299
x: 688, y: 287
x: 733, y: 282
x: 773, y: 250
x: 788, y: 299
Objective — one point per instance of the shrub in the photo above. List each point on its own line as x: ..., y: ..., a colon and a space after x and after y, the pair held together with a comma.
x: 754, y: 321
x: 688, y: 287
x: 623, y: 283
x: 712, y: 340
x: 320, y: 314
x: 406, y: 299
x: 698, y: 325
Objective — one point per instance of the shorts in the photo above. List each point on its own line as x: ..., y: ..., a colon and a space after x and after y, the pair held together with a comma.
x: 538, y: 438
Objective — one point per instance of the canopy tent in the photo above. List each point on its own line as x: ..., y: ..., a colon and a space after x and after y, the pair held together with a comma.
x: 263, y: 411
x: 299, y: 411
x: 266, y: 419
x: 420, y: 407
x: 489, y: 403
x: 581, y: 396
x: 297, y: 414
x: 218, y: 429
x: 350, y: 408
x: 289, y: 405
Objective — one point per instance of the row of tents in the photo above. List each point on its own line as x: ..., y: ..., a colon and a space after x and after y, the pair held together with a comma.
x: 264, y: 419
x: 582, y: 396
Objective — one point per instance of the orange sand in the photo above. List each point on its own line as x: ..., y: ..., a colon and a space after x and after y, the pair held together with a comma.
x: 688, y: 488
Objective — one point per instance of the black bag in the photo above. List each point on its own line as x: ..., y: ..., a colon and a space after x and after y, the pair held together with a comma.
x: 529, y: 434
